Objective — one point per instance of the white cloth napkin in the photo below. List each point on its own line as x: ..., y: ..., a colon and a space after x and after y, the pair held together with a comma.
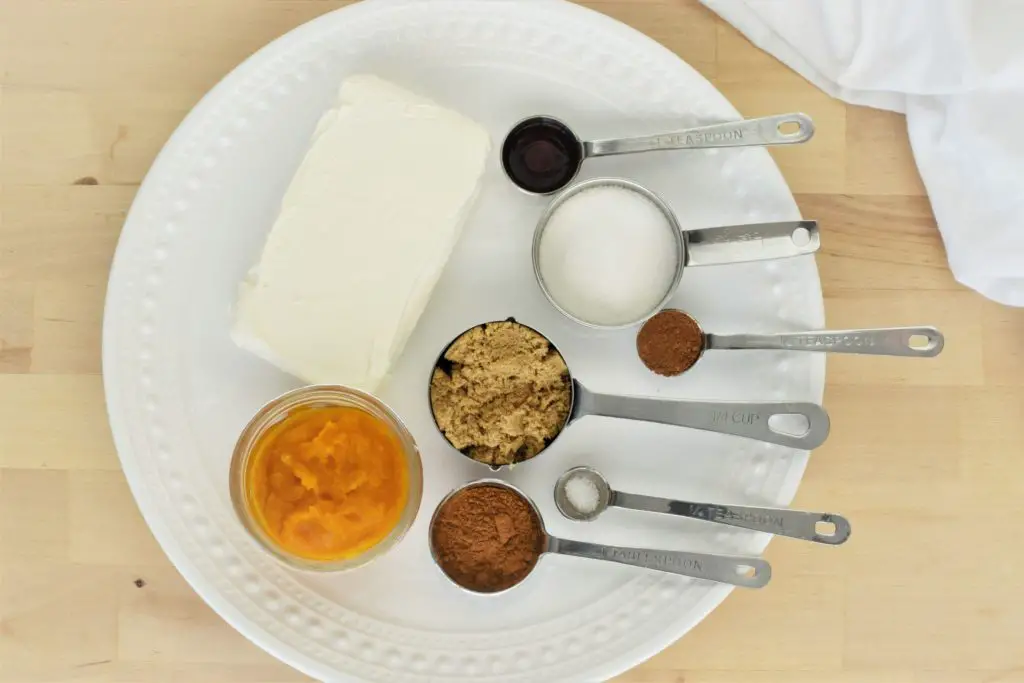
x: 956, y: 69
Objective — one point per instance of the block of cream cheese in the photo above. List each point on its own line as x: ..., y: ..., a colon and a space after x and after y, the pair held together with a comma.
x: 364, y: 232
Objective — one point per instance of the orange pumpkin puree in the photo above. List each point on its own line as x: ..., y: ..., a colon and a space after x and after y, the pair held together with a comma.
x: 328, y: 483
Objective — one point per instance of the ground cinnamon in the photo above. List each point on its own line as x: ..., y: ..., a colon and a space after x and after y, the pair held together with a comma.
x: 670, y: 343
x: 486, y: 538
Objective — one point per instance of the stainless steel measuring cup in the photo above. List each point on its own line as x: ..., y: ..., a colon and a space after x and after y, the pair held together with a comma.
x: 906, y: 342
x: 704, y: 247
x: 818, y: 527
x: 541, y: 154
x: 751, y: 420
x: 748, y: 572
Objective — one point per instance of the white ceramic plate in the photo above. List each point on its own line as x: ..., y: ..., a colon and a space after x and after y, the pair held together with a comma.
x: 179, y: 392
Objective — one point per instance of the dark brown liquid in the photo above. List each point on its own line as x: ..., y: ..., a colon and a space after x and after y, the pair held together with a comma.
x: 541, y: 155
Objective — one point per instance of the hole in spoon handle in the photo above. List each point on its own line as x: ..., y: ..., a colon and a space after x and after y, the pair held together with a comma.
x: 753, y: 573
x: 831, y: 530
x: 788, y: 129
x: 798, y: 425
x: 925, y: 342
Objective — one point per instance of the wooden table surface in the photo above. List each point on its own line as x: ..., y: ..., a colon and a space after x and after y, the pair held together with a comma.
x: 925, y: 456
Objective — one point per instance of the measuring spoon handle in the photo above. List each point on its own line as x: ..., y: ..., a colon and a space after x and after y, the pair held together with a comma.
x: 778, y: 521
x: 750, y: 420
x: 749, y: 572
x: 752, y: 242
x: 886, y: 341
x: 766, y: 130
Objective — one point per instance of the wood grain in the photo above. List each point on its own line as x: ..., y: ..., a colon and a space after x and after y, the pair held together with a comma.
x: 925, y: 456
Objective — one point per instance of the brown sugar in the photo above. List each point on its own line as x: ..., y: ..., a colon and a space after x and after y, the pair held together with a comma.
x: 487, y: 538
x: 503, y: 393
x: 670, y: 343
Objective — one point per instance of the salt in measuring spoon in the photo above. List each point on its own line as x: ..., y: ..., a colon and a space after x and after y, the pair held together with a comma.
x: 905, y: 342
x: 541, y: 154
x: 703, y: 247
x: 834, y: 529
x: 747, y: 572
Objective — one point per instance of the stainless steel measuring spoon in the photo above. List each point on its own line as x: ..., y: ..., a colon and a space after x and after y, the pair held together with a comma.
x: 541, y: 154
x: 907, y: 342
x: 752, y: 420
x: 819, y: 527
x: 748, y: 572
x: 704, y: 247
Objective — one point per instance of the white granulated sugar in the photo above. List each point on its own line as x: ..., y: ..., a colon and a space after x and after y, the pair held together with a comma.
x: 582, y: 494
x: 608, y: 255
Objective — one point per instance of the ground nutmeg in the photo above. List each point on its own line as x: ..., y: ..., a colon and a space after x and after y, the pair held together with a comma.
x: 486, y: 538
x: 670, y: 343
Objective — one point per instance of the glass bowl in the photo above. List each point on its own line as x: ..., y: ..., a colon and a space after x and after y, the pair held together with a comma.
x: 321, y: 396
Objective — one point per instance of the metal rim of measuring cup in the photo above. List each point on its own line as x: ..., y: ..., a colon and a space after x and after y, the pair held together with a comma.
x: 477, y: 483
x: 438, y: 362
x: 557, y: 121
x: 666, y: 210
x: 703, y: 344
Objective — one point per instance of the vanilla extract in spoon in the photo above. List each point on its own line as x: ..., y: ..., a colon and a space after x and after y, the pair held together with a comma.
x: 541, y: 155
